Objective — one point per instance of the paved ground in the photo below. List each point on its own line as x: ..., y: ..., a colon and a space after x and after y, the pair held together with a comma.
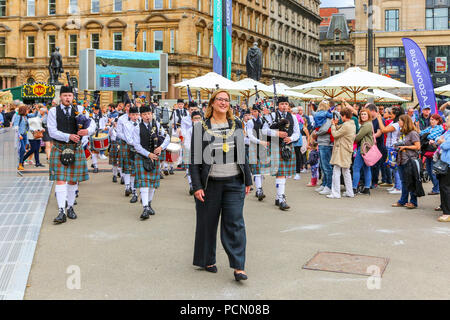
x: 120, y: 257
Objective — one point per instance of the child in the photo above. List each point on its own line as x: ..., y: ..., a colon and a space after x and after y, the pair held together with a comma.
x: 322, y: 114
x: 313, y: 161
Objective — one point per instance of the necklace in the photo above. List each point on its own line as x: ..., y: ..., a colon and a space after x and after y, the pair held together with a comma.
x: 225, y: 146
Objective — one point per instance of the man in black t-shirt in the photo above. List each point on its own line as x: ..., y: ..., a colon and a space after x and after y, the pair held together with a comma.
x: 380, y: 144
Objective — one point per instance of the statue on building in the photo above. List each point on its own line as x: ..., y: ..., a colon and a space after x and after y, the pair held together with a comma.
x: 254, y: 62
x: 55, y: 66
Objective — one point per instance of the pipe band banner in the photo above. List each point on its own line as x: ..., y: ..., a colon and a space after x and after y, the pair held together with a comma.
x: 420, y: 74
x: 217, y: 37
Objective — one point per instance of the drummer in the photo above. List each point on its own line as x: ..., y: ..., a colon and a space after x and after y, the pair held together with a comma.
x: 186, y: 130
x: 124, y: 118
x: 127, y: 161
x: 100, y: 125
x: 114, y: 149
x: 149, y: 140
x: 177, y: 116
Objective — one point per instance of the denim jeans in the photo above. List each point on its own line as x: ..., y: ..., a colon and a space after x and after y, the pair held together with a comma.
x: 224, y: 200
x: 398, y: 179
x: 327, y: 169
x: 434, y: 179
x: 357, y: 166
x: 404, y: 197
x: 22, y: 148
x: 35, y: 145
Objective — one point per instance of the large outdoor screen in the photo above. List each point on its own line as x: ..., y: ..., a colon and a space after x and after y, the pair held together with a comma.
x: 110, y: 70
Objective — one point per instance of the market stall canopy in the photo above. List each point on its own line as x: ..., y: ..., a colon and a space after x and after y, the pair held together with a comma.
x: 246, y: 88
x: 382, y: 96
x: 208, y: 82
x: 443, y: 91
x: 284, y: 90
x: 349, y: 83
x: 6, y: 97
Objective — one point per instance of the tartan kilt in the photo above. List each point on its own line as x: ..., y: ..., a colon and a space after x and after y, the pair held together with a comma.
x: 162, y: 156
x: 77, y: 172
x: 145, y: 179
x: 114, y: 153
x: 258, y: 166
x: 186, y: 154
x: 126, y: 163
x: 281, y: 167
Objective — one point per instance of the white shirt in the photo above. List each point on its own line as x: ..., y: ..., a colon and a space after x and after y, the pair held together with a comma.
x: 59, y: 135
x: 120, y: 123
x: 295, y: 135
x: 137, y: 139
x: 128, y: 129
x: 250, y: 130
x: 186, y: 123
x: 112, y: 133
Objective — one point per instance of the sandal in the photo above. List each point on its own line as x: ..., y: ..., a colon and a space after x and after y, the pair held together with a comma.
x: 438, y: 208
x: 397, y: 205
x: 444, y: 218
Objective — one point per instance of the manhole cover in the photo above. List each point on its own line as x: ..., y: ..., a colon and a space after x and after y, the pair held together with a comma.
x: 347, y: 263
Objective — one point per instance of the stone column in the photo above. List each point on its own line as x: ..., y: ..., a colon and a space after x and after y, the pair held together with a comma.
x: 3, y: 83
x: 8, y: 81
x: 171, y: 87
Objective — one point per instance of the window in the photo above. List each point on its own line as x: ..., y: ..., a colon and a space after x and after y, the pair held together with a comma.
x: 337, y: 36
x: 117, y: 41
x: 437, y: 19
x: 210, y: 47
x: 199, y: 44
x: 392, y: 62
x: 158, y: 4
x: 2, y: 47
x: 158, y: 41
x: 73, y: 7
x: 30, y: 47
x: 31, y: 8
x: 95, y: 6
x: 249, y: 21
x: 342, y: 55
x: 240, y: 17
x: 117, y: 5
x: 51, y: 7
x: 199, y: 5
x: 331, y: 56
x: 172, y: 41
x: 257, y: 24
x: 146, y: 5
x: 95, y: 41
x: 73, y: 45
x: 391, y: 20
x: 210, y: 6
x: 437, y: 58
x: 144, y: 41
x: 264, y: 27
x: 51, y: 44
x: 170, y: 4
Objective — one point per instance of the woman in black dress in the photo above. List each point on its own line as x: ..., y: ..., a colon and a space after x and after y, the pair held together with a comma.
x: 221, y: 179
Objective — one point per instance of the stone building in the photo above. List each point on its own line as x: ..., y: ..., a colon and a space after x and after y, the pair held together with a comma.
x: 424, y: 21
x: 286, y: 31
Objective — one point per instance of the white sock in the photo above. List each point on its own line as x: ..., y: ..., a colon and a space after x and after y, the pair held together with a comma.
x: 280, y: 184
x: 71, y: 189
x: 61, y: 195
x: 151, y: 193
x: 258, y: 181
x: 165, y: 165
x: 132, y: 183
x: 94, y: 159
x: 114, y: 170
x: 126, y: 177
x: 144, y: 196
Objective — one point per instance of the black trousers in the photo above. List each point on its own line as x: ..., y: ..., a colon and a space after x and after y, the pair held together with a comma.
x: 35, y: 144
x: 444, y: 188
x: 298, y: 159
x: 224, y: 200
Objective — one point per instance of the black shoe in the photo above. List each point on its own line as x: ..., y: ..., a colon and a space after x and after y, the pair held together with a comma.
x: 355, y: 191
x: 134, y: 198
x: 260, y: 194
x: 71, y: 213
x: 92, y: 166
x: 39, y: 165
x: 61, y: 218
x: 166, y: 172
x: 128, y: 192
x: 75, y: 203
x: 145, y: 214
x: 95, y: 170
x: 114, y: 179
x: 171, y: 172
x: 283, y: 205
x: 277, y: 202
x: 191, y: 191
x: 161, y: 176
x: 366, y: 191
x: 240, y: 276
x: 122, y: 181
x: 119, y: 175
x: 212, y: 269
x: 150, y: 209
x: 76, y: 194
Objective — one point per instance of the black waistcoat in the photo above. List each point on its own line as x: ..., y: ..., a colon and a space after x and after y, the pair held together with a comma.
x: 290, y: 118
x: 66, y: 124
x: 145, y: 136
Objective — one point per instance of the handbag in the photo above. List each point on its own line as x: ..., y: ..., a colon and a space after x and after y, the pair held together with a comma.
x: 37, y: 134
x: 370, y: 154
x: 440, y: 167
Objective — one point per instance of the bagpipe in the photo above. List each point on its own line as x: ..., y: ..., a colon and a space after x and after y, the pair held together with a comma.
x: 282, y: 125
x: 83, y: 122
x: 156, y: 140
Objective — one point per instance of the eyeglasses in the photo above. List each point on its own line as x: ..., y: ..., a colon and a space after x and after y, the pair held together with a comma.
x: 223, y: 100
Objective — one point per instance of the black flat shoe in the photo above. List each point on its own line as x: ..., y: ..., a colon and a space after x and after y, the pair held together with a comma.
x: 277, y: 202
x: 171, y: 172
x: 134, y: 198
x: 145, y: 215
x: 127, y: 192
x: 240, y: 276
x: 39, y: 165
x: 166, y: 172
x: 122, y: 181
x: 71, y: 213
x: 114, y: 179
x: 61, y: 218
x: 95, y: 170
x: 212, y: 269
x: 150, y: 209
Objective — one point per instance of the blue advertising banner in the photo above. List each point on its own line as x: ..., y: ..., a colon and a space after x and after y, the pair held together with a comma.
x: 229, y: 21
x: 421, y: 75
x: 217, y: 37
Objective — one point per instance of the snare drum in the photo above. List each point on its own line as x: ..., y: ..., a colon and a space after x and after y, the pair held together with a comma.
x: 100, y: 142
x: 173, y: 152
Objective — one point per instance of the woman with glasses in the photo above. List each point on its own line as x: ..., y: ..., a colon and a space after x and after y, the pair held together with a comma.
x: 221, y: 179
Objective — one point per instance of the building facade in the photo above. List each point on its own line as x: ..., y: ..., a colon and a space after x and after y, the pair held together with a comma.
x: 31, y: 29
x: 424, y: 21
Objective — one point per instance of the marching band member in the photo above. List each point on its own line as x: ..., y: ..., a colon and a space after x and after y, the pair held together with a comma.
x: 67, y: 163
x: 123, y: 151
x: 287, y: 129
x: 149, y: 139
x: 177, y: 115
x: 258, y: 149
x: 114, y: 149
x: 100, y: 124
x: 128, y: 161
